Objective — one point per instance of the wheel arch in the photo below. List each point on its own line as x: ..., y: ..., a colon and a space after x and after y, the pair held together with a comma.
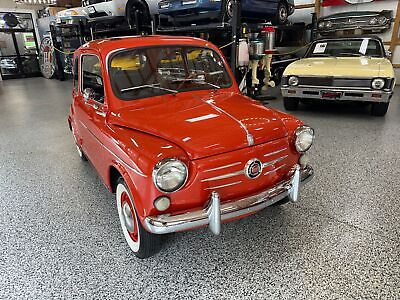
x: 116, y: 171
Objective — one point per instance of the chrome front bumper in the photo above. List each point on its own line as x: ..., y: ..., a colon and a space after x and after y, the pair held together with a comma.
x: 216, y: 212
x: 348, y: 94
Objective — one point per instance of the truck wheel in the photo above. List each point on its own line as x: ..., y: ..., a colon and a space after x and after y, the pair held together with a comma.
x: 142, y: 243
x: 379, y: 109
x: 227, y: 11
x: 281, y: 14
x: 290, y: 103
x: 140, y: 10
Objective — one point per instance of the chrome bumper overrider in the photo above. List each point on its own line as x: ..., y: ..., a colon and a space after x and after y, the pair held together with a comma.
x: 216, y: 212
x: 347, y: 94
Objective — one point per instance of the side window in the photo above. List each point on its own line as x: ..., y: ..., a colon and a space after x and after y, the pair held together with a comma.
x: 91, y: 77
x: 75, y: 74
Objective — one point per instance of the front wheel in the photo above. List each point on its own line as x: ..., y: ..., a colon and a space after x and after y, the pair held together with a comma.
x: 290, y: 103
x: 379, y: 109
x: 281, y: 14
x: 142, y: 243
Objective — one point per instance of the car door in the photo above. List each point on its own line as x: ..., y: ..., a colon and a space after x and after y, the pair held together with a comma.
x: 91, y: 110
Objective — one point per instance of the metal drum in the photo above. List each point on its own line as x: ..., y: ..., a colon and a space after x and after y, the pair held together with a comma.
x: 256, y: 49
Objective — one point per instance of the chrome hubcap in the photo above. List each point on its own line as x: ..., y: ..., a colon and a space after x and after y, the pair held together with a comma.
x: 128, y: 217
x: 229, y: 9
x: 283, y: 14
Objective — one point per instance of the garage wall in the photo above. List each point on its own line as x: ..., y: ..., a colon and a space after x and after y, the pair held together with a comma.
x: 304, y: 15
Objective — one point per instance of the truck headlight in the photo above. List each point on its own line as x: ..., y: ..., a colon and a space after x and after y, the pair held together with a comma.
x: 163, y: 4
x: 293, y: 80
x: 378, y: 83
x: 373, y: 21
x: 321, y: 25
x: 303, y: 138
x: 382, y: 20
x: 169, y: 175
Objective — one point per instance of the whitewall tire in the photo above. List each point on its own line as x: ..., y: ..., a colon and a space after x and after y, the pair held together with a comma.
x: 142, y: 243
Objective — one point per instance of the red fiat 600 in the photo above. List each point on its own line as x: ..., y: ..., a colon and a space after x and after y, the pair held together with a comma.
x: 164, y: 124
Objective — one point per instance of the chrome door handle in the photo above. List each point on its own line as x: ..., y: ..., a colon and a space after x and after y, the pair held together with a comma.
x: 101, y: 113
x: 95, y: 106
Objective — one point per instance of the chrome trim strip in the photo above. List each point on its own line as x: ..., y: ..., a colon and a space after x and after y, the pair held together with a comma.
x: 275, y: 152
x: 223, y: 167
x: 229, y: 175
x: 224, y: 185
x: 166, y: 223
x: 274, y: 170
x: 266, y: 164
x: 249, y: 136
x: 367, y: 94
x: 136, y: 169
x: 327, y: 87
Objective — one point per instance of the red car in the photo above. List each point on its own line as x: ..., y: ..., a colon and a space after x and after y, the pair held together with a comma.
x: 164, y: 124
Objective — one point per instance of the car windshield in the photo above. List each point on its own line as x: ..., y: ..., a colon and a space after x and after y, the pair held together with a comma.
x: 346, y: 48
x: 153, y: 71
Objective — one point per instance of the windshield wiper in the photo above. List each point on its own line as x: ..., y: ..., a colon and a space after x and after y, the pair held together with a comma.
x: 322, y: 55
x: 350, y: 54
x: 152, y: 86
x: 197, y: 80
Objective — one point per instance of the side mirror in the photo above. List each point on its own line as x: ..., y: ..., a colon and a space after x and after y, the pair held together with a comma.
x: 388, y: 54
x: 88, y: 94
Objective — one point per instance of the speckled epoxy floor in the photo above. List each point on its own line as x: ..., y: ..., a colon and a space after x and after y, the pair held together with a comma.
x: 60, y: 235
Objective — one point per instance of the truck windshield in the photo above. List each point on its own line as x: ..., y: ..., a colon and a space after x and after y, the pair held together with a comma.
x: 153, y: 71
x: 346, y: 48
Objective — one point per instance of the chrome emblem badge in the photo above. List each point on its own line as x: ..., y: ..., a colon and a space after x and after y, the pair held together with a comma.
x: 253, y: 168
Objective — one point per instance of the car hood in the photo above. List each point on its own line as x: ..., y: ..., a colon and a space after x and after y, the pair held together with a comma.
x: 341, y: 67
x: 203, y: 126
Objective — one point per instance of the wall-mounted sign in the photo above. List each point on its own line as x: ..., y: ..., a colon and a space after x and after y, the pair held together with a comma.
x: 46, y: 58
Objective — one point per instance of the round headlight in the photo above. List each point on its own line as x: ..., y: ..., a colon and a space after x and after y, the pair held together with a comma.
x: 293, y: 80
x: 373, y: 21
x: 382, y: 20
x: 378, y: 83
x: 321, y: 25
x: 328, y: 24
x: 169, y: 175
x: 304, y: 138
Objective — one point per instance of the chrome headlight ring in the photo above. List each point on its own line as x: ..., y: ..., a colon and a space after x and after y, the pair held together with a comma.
x: 303, y: 138
x: 170, y: 175
x: 378, y: 83
x: 293, y: 80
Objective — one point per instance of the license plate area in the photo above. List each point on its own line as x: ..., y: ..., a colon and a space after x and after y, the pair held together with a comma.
x: 331, y: 95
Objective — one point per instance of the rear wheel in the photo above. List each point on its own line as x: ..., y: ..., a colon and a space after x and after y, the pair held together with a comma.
x: 379, y: 109
x: 282, y: 14
x: 142, y: 243
x: 138, y: 16
x: 290, y: 103
x: 227, y: 11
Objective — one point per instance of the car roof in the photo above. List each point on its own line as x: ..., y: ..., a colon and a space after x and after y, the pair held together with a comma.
x: 106, y: 46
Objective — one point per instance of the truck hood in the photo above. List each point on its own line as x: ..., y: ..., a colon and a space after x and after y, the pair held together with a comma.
x: 341, y: 67
x: 203, y: 125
